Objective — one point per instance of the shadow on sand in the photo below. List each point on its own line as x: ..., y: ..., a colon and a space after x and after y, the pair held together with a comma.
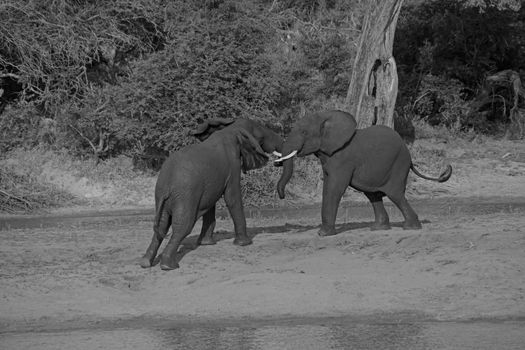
x: 191, y: 243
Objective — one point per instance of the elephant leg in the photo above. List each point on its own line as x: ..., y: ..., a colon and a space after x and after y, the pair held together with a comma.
x: 233, y: 199
x: 160, y: 229
x: 411, y: 219
x: 381, y: 217
x: 333, y: 189
x: 181, y: 225
x: 208, y: 225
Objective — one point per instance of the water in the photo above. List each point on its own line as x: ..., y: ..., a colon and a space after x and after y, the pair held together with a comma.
x: 329, y: 335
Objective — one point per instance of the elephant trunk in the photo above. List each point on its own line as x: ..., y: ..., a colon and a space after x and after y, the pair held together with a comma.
x: 285, y: 177
x: 290, y: 149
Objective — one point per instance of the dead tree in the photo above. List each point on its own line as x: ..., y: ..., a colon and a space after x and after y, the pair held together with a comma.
x: 508, y: 79
x: 372, y: 94
x: 512, y: 79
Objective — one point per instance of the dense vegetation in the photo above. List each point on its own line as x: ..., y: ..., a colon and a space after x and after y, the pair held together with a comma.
x: 446, y: 50
x: 103, y: 79
x: 130, y: 77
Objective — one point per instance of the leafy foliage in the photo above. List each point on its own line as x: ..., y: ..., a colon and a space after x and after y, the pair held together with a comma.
x: 212, y: 69
x: 499, y: 4
x: 161, y: 68
x: 133, y: 77
x: 461, y: 42
x: 441, y: 101
x: 16, y: 124
x: 447, y: 49
x: 54, y: 47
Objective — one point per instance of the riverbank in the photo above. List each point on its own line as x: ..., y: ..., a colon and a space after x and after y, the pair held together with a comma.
x: 467, y: 262
x: 76, y: 266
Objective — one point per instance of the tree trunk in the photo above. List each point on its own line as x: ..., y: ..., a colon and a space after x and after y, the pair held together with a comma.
x: 373, y: 87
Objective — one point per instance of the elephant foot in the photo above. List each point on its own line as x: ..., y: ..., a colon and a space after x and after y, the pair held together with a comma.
x: 167, y: 264
x: 412, y: 225
x: 323, y: 231
x: 146, y: 261
x: 207, y: 241
x: 376, y: 226
x: 169, y: 267
x: 242, y: 241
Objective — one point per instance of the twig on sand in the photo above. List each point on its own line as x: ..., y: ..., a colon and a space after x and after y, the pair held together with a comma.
x: 401, y: 239
x: 10, y: 202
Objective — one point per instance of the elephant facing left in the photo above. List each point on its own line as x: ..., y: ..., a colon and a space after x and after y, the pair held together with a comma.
x: 192, y: 180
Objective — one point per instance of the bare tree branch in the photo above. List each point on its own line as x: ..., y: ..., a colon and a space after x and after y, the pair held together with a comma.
x: 85, y: 138
x: 10, y: 75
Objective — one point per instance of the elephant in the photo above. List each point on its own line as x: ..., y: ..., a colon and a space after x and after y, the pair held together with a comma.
x: 374, y: 160
x: 193, y: 179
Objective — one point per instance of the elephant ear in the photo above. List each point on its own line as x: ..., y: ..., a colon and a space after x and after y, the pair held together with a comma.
x: 252, y: 155
x: 336, y: 131
x: 208, y: 127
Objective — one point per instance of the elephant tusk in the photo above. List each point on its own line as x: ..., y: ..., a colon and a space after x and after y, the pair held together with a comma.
x: 277, y: 154
x: 286, y: 157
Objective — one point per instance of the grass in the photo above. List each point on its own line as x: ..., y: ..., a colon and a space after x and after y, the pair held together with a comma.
x: 114, y: 182
x: 39, y: 178
x: 109, y: 183
x: 24, y: 193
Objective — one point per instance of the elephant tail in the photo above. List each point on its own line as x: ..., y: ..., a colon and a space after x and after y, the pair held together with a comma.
x: 445, y: 175
x: 160, y: 210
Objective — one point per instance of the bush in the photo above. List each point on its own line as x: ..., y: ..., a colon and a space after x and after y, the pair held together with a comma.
x: 55, y: 49
x: 464, y: 42
x: 444, y: 50
x: 441, y: 101
x: 212, y: 69
x: 127, y: 77
x: 23, y: 193
x: 18, y: 127
x: 404, y: 126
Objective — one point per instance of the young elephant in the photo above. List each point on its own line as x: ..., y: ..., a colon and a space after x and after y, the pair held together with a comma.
x: 192, y: 180
x: 374, y: 160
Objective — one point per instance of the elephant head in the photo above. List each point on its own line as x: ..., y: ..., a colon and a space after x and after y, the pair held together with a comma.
x: 208, y: 127
x: 269, y: 141
x: 323, y: 132
x: 252, y: 155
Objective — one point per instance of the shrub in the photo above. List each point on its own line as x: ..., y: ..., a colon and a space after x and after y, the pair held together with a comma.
x: 212, y: 69
x: 54, y: 48
x: 441, y: 101
x: 444, y: 50
x: 126, y: 77
x: 18, y: 127
x: 465, y: 42
x: 23, y: 193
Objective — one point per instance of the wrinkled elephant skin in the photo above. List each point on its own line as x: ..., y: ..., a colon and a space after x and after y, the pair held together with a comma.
x: 193, y: 179
x: 374, y: 161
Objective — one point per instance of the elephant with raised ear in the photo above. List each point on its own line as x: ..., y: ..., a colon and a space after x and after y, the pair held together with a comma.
x: 373, y: 160
x: 193, y: 179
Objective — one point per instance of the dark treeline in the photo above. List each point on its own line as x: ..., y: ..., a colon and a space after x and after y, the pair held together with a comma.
x: 132, y: 77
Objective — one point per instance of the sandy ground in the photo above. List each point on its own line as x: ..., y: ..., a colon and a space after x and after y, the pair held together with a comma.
x: 468, y: 261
